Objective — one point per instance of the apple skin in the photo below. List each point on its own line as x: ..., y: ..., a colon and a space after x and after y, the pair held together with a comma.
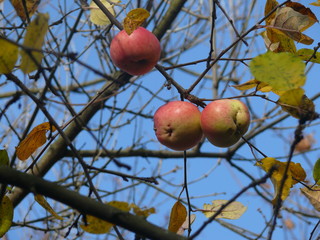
x: 136, y: 53
x: 225, y: 121
x: 177, y: 125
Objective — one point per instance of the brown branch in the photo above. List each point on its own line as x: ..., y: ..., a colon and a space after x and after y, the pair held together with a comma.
x: 84, y: 204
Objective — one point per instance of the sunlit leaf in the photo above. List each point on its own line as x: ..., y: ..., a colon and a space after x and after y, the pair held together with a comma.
x: 8, y: 56
x: 316, y: 171
x: 281, y: 71
x: 96, y: 225
x: 309, y: 55
x: 185, y: 225
x: 6, y: 215
x: 305, y: 144
x: 297, y: 104
x: 35, y: 139
x: 43, y: 202
x: 4, y: 159
x: 143, y: 212
x: 31, y: 7
x: 34, y: 39
x: 177, y: 216
x: 134, y: 19
x: 97, y: 16
x: 295, y: 173
x: 313, y: 196
x: 257, y: 85
x: 233, y: 211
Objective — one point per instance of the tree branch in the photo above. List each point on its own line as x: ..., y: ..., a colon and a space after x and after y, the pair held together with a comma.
x: 84, y: 204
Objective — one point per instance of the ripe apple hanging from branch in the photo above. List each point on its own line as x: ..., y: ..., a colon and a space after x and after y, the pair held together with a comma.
x: 225, y: 121
x: 177, y: 125
x: 135, y: 50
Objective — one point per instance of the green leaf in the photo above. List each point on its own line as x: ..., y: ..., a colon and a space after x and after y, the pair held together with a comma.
x: 306, y: 54
x: 6, y: 215
x: 282, y: 71
x: 4, y: 159
x: 316, y: 171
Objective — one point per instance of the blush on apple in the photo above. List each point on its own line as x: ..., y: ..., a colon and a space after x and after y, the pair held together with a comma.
x: 136, y: 53
x: 225, y: 121
x: 177, y: 125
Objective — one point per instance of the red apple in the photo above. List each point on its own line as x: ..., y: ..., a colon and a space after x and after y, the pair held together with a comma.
x: 136, y: 53
x: 225, y: 121
x: 177, y: 125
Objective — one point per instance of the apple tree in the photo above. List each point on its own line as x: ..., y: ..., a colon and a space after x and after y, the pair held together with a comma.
x: 159, y: 119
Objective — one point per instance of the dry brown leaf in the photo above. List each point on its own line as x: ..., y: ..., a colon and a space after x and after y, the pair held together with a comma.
x: 35, y: 139
x: 233, y: 211
x: 31, y: 7
x: 185, y: 225
x: 289, y: 224
x: 292, y: 20
x: 305, y: 144
x: 313, y: 196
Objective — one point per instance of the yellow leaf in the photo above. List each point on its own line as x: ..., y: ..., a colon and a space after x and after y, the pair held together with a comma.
x: 8, y: 56
x: 143, y: 212
x: 313, y: 196
x: 35, y: 139
x: 31, y: 7
x: 297, y: 104
x: 292, y: 20
x: 6, y: 215
x: 316, y: 3
x: 253, y: 83
x: 96, y: 225
x: 97, y: 16
x: 276, y: 42
x: 233, y: 211
x: 295, y: 172
x: 177, y: 217
x: 134, y: 19
x: 308, y: 55
x: 270, y: 5
x: 282, y: 71
x: 34, y: 39
x: 43, y: 202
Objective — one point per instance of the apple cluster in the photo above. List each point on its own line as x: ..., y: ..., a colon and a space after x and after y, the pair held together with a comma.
x: 180, y: 125
x: 136, y: 53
